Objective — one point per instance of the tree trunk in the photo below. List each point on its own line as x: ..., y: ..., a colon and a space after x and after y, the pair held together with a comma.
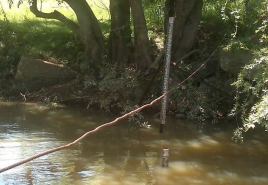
x: 142, y: 53
x: 187, y: 14
x: 87, y: 30
x: 119, y: 43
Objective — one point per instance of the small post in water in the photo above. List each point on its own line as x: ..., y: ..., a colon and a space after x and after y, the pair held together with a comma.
x: 165, y: 157
x: 166, y: 75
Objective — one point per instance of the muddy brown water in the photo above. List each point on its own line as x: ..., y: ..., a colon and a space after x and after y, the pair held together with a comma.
x: 124, y: 153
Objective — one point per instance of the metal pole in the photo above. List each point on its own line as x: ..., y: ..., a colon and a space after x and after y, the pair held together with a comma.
x: 166, y: 75
x: 165, y: 157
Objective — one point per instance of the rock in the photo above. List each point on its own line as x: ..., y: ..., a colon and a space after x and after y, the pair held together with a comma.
x: 34, y: 74
x: 209, y: 69
x: 228, y: 87
x: 233, y: 61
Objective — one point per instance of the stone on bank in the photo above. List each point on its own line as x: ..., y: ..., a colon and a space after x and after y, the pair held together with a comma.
x: 34, y: 74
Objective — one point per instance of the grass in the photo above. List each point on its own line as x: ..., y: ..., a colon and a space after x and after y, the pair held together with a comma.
x: 99, y: 7
x: 42, y: 37
x: 21, y: 33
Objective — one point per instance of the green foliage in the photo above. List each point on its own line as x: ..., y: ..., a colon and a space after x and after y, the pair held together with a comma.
x: 22, y: 34
x: 244, y: 22
x: 244, y: 25
x: 254, y: 113
x: 46, y: 39
x: 258, y: 113
x: 117, y: 86
x: 154, y: 15
x: 238, y: 21
x: 115, y: 90
x: 196, y: 103
x: 9, y: 53
x: 52, y: 103
x: 248, y: 17
x: 251, y: 94
x: 135, y: 118
x: 238, y: 135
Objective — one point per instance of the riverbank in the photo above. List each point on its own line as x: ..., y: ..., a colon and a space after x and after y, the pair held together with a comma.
x: 70, y: 92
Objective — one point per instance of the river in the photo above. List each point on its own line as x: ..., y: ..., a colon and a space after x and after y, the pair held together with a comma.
x: 201, y: 154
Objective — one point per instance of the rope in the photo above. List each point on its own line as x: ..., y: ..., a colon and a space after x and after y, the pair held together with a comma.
x: 80, y: 138
x: 103, y: 125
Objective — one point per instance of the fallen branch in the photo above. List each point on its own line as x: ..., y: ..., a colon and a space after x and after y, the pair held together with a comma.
x: 101, y: 126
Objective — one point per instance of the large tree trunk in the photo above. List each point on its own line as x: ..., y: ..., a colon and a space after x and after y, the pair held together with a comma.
x: 119, y: 43
x: 87, y: 30
x: 142, y: 46
x: 187, y: 14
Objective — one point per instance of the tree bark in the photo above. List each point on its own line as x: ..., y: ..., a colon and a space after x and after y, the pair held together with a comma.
x: 53, y: 15
x: 142, y: 53
x: 187, y: 14
x: 119, y: 43
x: 87, y: 30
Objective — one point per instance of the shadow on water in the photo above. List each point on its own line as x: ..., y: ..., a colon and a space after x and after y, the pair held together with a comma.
x: 124, y: 153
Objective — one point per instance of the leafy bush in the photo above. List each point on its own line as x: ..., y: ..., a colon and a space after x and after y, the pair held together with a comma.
x: 255, y: 113
x: 196, y: 103
x: 116, y: 87
x: 245, y: 25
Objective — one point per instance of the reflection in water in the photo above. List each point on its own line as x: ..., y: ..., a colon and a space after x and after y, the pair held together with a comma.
x: 123, y: 153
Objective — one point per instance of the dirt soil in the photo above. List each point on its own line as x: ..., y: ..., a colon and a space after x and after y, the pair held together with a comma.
x: 73, y: 92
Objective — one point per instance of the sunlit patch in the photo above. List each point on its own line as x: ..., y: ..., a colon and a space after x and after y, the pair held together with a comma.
x: 208, y: 140
x: 87, y: 173
x: 186, y: 173
x: 35, y: 108
x: 223, y: 177
x: 116, y: 156
x: 203, y: 142
x: 221, y: 135
x: 9, y: 153
x: 195, y: 144
x: 182, y: 167
x: 260, y: 179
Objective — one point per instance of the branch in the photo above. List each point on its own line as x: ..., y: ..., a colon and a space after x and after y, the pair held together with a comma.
x: 161, y: 55
x: 103, y: 125
x: 201, y: 81
x: 97, y: 128
x: 187, y: 55
x: 53, y: 15
x: 80, y: 138
x: 239, y: 111
x: 156, y: 62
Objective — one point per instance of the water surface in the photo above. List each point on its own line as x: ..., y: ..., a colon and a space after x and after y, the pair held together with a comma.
x: 124, y: 153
